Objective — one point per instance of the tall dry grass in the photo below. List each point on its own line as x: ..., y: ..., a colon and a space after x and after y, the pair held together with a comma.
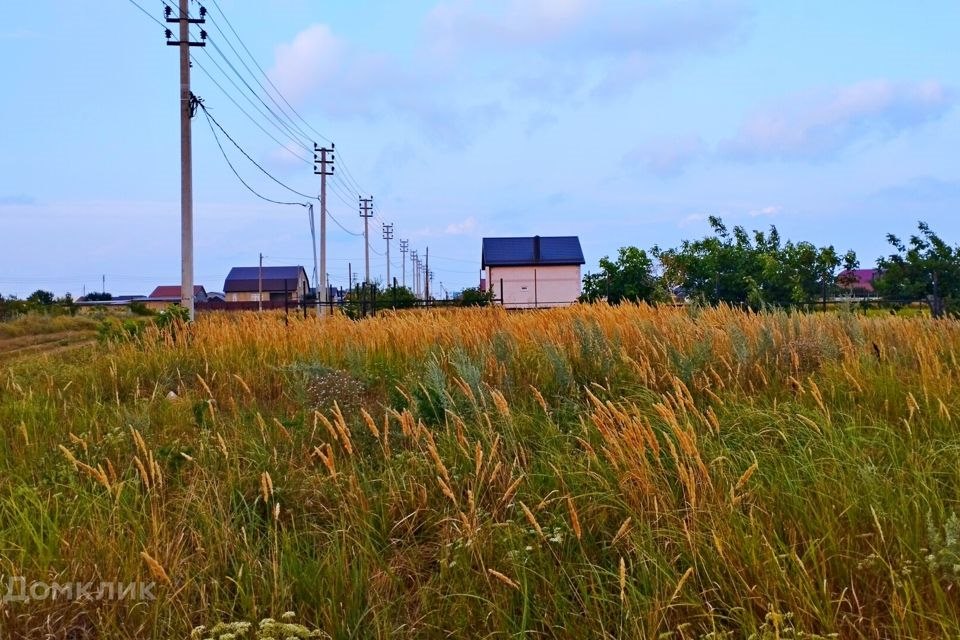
x: 588, y: 472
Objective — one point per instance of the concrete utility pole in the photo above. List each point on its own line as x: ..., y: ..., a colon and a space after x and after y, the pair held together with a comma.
x: 325, y: 169
x: 388, y: 236
x: 413, y: 274
x: 419, y: 277
x: 260, y: 285
x: 426, y: 277
x: 188, y: 107
x: 404, y: 247
x: 316, y: 273
x: 366, y: 211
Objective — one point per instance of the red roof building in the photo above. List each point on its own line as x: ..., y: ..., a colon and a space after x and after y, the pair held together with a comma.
x: 858, y: 280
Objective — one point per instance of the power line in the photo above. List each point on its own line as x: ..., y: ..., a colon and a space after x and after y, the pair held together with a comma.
x: 353, y: 233
x: 349, y: 175
x: 255, y: 163
x: 232, y: 168
x: 260, y: 84
x: 276, y: 119
x: 257, y: 108
x: 244, y: 112
x: 147, y: 13
x: 267, y: 77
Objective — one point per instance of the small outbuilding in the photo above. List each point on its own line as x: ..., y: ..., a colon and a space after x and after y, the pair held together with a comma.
x: 533, y: 272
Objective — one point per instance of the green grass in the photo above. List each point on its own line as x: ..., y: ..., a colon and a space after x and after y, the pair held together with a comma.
x: 766, y: 476
x: 38, y: 324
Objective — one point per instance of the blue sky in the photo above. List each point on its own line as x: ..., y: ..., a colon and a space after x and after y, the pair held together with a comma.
x: 622, y: 122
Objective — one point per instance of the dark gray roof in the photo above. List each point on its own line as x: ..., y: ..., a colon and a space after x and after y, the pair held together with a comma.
x: 536, y: 250
x: 274, y: 279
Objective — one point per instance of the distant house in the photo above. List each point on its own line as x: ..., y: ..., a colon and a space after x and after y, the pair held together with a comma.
x: 533, y: 272
x: 165, y: 295
x: 215, y: 296
x: 858, y: 282
x: 247, y: 284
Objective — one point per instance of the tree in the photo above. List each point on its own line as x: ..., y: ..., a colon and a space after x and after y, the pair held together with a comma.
x: 926, y: 267
x: 68, y: 303
x: 630, y: 278
x: 41, y: 298
x: 396, y: 297
x: 847, y: 277
x: 474, y: 297
x: 726, y: 266
x: 738, y: 268
x: 99, y: 296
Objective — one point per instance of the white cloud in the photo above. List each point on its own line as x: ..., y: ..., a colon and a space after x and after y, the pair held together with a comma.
x: 770, y: 210
x: 625, y: 43
x: 460, y: 228
x: 455, y: 25
x: 300, y: 66
x: 692, y: 219
x: 820, y: 125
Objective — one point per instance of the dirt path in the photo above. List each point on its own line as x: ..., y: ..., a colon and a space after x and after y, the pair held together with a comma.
x: 48, y: 343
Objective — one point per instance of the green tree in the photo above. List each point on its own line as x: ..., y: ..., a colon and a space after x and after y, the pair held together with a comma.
x: 925, y: 267
x: 396, y: 297
x: 41, y: 298
x: 847, y: 277
x: 725, y: 266
x: 474, y: 297
x: 630, y: 278
x: 757, y: 269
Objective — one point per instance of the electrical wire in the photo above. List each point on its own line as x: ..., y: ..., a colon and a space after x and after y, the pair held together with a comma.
x: 259, y: 110
x: 266, y: 92
x: 346, y: 168
x: 247, y: 155
x: 337, y: 222
x: 232, y: 168
x: 275, y: 118
x: 147, y: 13
x: 267, y: 77
x: 244, y: 112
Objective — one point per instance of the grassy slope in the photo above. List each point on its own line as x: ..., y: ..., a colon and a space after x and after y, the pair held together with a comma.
x: 591, y: 472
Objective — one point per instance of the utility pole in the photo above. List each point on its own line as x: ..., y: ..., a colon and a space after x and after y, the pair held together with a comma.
x: 413, y: 275
x: 366, y: 211
x: 325, y: 169
x: 188, y: 108
x: 426, y: 277
x: 404, y: 247
x: 316, y: 273
x: 419, y: 277
x: 388, y: 236
x: 103, y: 283
x: 260, y: 285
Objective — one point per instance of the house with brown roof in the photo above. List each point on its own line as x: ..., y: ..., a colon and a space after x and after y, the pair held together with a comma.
x: 166, y: 295
x: 252, y: 284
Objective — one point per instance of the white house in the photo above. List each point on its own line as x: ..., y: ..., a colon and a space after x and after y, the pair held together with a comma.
x: 537, y: 272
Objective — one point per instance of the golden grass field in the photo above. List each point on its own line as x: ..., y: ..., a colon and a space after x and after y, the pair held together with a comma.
x: 591, y: 472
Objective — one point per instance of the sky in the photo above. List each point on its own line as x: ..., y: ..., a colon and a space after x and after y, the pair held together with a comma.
x: 621, y: 122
